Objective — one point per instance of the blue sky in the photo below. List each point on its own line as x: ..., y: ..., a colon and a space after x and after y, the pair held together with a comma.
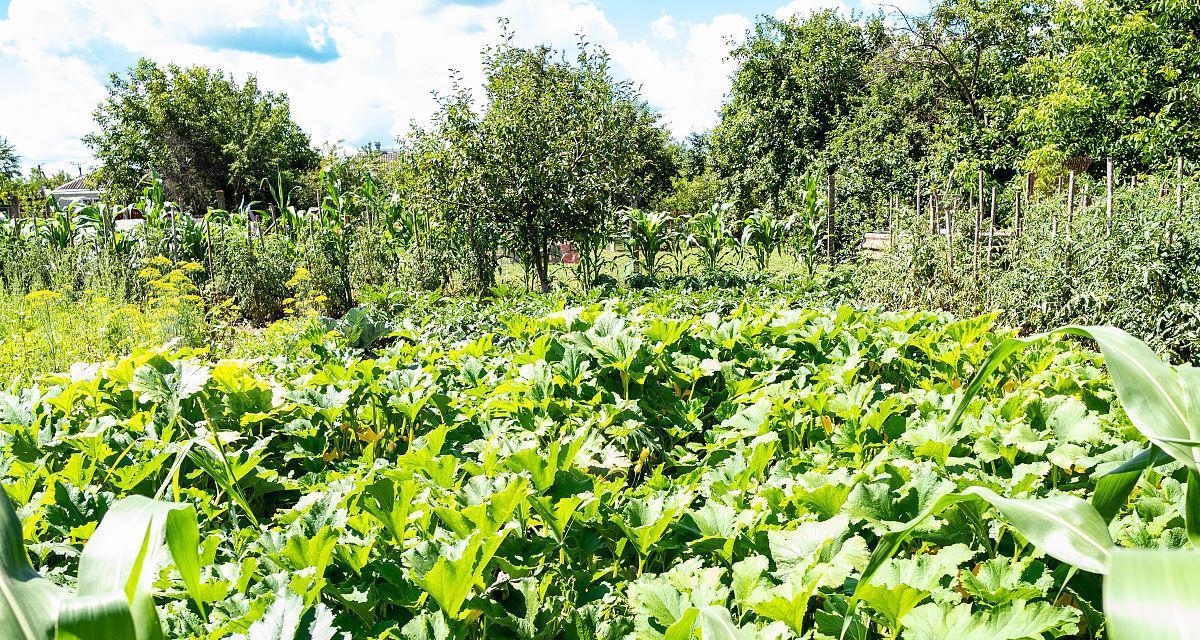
x: 360, y: 71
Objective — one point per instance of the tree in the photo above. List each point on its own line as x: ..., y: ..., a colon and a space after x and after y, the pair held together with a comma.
x: 565, y: 145
x: 1121, y: 77
x: 10, y: 162
x: 201, y: 130
x: 796, y: 79
x: 558, y: 148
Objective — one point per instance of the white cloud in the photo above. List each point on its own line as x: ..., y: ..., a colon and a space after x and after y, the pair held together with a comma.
x: 391, y: 56
x: 55, y: 56
x: 664, y: 27
x: 686, y: 86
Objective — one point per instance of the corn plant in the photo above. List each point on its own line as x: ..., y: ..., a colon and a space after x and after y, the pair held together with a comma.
x: 648, y: 235
x: 117, y: 570
x: 708, y: 232
x: 807, y: 222
x: 762, y: 236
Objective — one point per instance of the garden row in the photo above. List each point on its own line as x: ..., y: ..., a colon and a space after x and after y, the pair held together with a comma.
x: 665, y: 470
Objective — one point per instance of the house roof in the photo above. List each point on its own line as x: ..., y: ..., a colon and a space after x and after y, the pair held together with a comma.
x: 78, y: 184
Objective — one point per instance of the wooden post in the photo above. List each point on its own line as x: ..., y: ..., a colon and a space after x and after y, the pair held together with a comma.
x: 1108, y: 198
x: 829, y: 217
x: 950, y: 242
x: 1179, y: 186
x: 208, y: 251
x: 991, y: 226
x: 978, y: 207
x: 933, y: 223
x: 1017, y: 221
x: 1028, y: 187
x: 891, y: 212
x: 917, y: 202
x: 1070, y: 203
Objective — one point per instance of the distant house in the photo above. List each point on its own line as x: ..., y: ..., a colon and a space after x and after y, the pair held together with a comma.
x: 378, y: 152
x: 74, y: 191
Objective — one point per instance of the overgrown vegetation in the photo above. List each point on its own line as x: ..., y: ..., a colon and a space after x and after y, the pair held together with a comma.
x: 543, y: 373
x: 608, y: 469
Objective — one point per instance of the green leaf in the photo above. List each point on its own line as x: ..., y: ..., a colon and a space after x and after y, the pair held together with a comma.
x: 1064, y: 527
x: 98, y: 617
x: 1014, y: 622
x: 1152, y: 595
x: 29, y: 603
x: 717, y: 624
x: 111, y: 564
x: 1113, y: 488
x: 1161, y: 401
x: 451, y: 580
x: 681, y: 629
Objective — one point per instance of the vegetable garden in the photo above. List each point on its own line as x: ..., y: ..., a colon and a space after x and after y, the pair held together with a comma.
x: 660, y: 470
x: 543, y: 372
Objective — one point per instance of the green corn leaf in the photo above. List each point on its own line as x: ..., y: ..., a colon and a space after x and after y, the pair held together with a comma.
x: 1152, y: 595
x: 1064, y: 527
x: 98, y: 617
x: 111, y: 564
x: 28, y: 602
x: 1191, y: 514
x: 1113, y: 488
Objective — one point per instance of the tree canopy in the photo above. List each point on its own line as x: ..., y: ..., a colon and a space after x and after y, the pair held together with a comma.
x: 10, y: 162
x: 557, y: 148
x: 201, y: 130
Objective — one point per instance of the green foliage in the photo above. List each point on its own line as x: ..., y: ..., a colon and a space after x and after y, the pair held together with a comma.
x: 10, y: 162
x: 663, y: 466
x: 558, y: 147
x: 796, y: 79
x: 201, y: 131
x: 1114, y: 80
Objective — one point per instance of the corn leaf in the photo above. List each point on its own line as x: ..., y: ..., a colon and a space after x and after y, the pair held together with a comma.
x: 28, y: 602
x: 111, y: 564
x: 1152, y: 595
x: 99, y: 617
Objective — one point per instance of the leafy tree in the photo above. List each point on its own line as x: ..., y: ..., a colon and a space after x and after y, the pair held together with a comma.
x: 1121, y: 77
x: 558, y: 148
x: 563, y: 146
x: 441, y: 171
x: 796, y: 80
x: 201, y: 130
x: 10, y: 162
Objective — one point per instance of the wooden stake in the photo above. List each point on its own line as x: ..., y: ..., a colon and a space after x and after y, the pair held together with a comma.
x: 1108, y: 199
x: 978, y: 207
x: 917, y: 202
x: 208, y: 250
x: 991, y: 226
x: 933, y: 223
x: 829, y: 218
x: 950, y: 242
x: 1017, y: 221
x: 1070, y: 203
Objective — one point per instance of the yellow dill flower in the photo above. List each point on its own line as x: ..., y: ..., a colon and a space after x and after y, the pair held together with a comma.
x: 42, y: 296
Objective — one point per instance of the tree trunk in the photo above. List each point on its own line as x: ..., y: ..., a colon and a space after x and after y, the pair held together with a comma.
x: 541, y: 265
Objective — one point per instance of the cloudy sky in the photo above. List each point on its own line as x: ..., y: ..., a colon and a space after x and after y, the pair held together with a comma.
x: 356, y: 71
